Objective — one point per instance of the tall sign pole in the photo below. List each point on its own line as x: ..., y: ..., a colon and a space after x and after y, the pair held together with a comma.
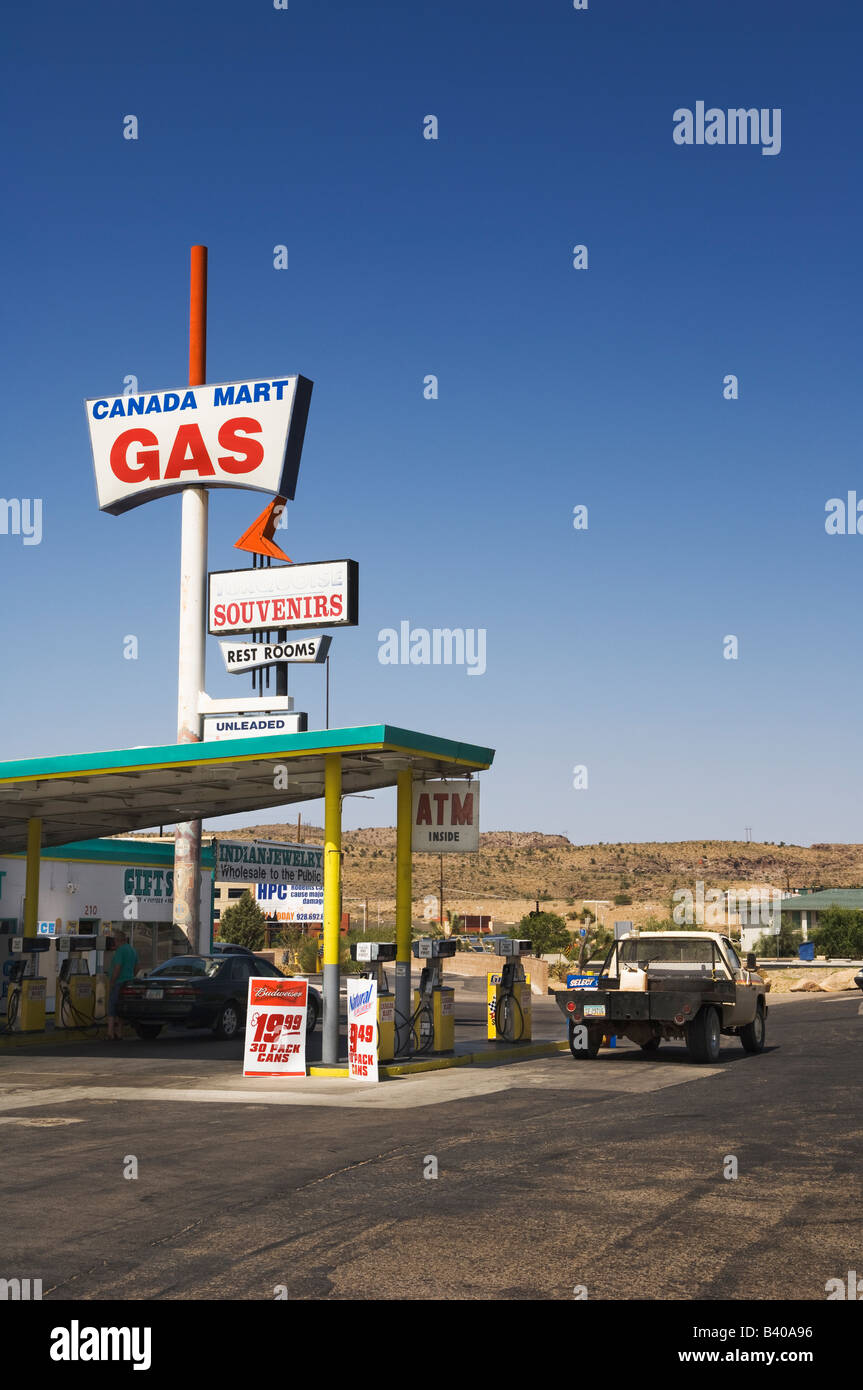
x: 193, y: 623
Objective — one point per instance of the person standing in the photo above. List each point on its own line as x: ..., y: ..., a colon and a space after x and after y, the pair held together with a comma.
x: 123, y: 968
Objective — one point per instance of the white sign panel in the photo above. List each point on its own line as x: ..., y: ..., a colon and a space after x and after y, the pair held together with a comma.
x: 275, y: 1042
x: 363, y: 1029
x: 246, y: 434
x: 270, y: 862
x: 445, y: 817
x: 245, y: 656
x: 218, y: 726
x: 321, y: 594
x: 291, y: 902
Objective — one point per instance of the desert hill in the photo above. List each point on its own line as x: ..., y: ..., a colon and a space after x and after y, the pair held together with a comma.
x: 515, y: 868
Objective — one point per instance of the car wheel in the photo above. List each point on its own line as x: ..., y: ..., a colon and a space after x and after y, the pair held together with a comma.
x: 754, y: 1034
x: 703, y: 1036
x: 148, y: 1030
x: 312, y: 1015
x: 589, y: 1047
x: 651, y: 1045
x: 227, y: 1025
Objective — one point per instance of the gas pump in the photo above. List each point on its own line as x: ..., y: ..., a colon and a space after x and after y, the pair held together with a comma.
x: 509, y: 1013
x: 375, y: 954
x: 75, y: 1003
x: 25, y: 1001
x: 433, y: 1022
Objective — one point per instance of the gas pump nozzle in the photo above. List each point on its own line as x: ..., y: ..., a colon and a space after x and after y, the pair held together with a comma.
x: 511, y: 1018
x: 433, y: 1022
x: 75, y: 1006
x: 374, y: 955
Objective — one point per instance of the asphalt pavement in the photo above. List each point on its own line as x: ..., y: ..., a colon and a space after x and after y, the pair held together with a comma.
x: 521, y: 1181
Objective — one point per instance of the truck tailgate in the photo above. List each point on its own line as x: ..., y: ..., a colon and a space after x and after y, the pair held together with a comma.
x: 653, y: 1005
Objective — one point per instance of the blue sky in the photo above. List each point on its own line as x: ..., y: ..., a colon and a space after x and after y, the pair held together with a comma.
x: 557, y: 387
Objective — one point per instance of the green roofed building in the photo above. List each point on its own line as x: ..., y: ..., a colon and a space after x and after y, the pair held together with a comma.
x: 805, y: 907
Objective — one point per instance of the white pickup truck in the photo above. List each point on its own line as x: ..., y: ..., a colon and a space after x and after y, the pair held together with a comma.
x: 656, y: 985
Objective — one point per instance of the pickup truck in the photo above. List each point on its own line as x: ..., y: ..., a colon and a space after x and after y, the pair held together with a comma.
x: 656, y: 985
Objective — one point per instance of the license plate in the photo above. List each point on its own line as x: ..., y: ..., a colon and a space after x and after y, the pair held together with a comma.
x: 594, y: 1011
x: 154, y: 994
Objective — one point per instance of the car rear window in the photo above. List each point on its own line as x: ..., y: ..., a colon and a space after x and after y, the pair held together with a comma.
x: 189, y: 965
x: 263, y: 967
x: 672, y: 952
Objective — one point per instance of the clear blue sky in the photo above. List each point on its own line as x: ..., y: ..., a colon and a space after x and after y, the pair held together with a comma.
x: 408, y: 257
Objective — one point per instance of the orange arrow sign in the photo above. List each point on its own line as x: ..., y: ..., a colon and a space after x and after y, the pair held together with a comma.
x: 259, y: 537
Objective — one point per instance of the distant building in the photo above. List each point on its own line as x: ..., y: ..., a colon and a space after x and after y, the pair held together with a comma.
x: 752, y: 912
x: 804, y: 908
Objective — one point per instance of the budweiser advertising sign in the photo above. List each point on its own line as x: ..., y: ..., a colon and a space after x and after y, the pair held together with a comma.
x: 275, y: 1042
x: 322, y: 594
x: 246, y: 434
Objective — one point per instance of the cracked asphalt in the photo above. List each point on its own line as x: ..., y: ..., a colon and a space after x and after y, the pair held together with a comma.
x: 550, y: 1173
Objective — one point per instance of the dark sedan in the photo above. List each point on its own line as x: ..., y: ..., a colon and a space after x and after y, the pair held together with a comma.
x: 199, y: 992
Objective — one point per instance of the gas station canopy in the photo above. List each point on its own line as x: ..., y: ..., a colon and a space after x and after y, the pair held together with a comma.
x: 87, y: 795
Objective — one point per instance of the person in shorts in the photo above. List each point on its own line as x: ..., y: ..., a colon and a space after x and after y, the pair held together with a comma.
x: 123, y: 968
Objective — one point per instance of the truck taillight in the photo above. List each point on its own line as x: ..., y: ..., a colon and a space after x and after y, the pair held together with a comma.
x: 571, y: 1006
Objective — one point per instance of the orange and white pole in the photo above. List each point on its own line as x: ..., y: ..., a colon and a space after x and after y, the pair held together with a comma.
x: 192, y: 660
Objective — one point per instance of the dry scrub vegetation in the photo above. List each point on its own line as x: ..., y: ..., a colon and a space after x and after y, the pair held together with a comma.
x: 513, y: 868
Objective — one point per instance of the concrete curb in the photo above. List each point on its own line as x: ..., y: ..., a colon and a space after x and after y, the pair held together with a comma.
x: 506, y: 1055
x: 62, y: 1038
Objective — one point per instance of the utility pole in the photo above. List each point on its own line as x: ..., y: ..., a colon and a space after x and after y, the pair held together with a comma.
x: 193, y: 588
x: 442, y: 927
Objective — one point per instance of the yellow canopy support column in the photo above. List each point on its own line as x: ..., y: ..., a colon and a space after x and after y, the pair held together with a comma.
x: 404, y: 894
x: 31, y: 882
x: 332, y: 903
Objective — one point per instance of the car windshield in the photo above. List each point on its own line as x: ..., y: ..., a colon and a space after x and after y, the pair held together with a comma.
x: 188, y: 965
x: 674, y: 950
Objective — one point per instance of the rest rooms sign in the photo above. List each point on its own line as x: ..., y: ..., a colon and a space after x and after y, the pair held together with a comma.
x: 243, y: 656
x: 321, y: 594
x: 269, y: 861
x: 445, y: 817
x: 245, y: 434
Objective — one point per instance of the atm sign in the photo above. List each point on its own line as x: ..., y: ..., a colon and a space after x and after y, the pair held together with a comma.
x: 445, y: 817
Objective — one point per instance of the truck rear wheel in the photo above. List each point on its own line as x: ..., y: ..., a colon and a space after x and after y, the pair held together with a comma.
x: 703, y: 1036
x: 651, y: 1045
x: 583, y: 1041
x: 754, y: 1034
